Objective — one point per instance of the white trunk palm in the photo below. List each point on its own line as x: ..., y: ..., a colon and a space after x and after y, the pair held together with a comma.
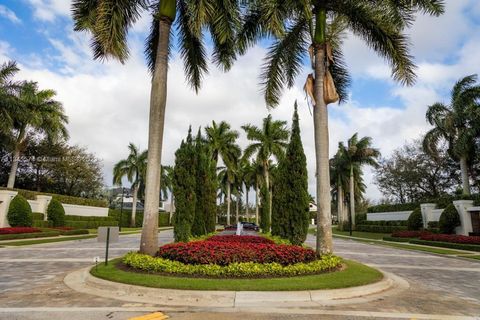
x: 257, y: 191
x: 134, y: 206
x: 465, y: 178
x: 352, y: 197
x: 229, y: 200
x: 158, y: 98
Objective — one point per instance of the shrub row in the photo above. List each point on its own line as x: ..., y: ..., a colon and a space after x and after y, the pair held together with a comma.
x: 396, y: 239
x: 41, y: 224
x: 73, y: 232
x: 393, y: 207
x: 221, y: 253
x: 17, y: 230
x: 379, y: 229
x: 453, y: 238
x: 459, y: 246
x: 384, y: 223
x: 240, y: 239
x: 409, y: 234
x: 37, y: 216
x: 31, y: 195
x: 90, y: 224
x: 30, y: 235
x: 90, y: 218
x: 240, y: 270
x: 163, y: 218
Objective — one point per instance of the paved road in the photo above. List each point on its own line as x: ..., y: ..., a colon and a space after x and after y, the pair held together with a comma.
x: 31, y: 285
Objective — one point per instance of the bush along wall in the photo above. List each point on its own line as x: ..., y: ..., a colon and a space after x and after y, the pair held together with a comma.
x: 449, y: 220
x: 114, y: 215
x: 19, y: 213
x: 379, y: 229
x: 56, y: 213
x: 415, y: 221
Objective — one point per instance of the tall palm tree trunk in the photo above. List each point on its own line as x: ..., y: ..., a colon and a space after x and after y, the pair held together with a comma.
x: 269, y: 196
x: 158, y: 99
x: 256, y: 203
x: 465, y: 180
x: 324, y: 243
x: 14, y: 168
x: 229, y: 200
x: 237, y: 210
x: 171, y: 210
x: 246, y: 203
x: 340, y: 206
x: 134, y: 205
x: 352, y: 197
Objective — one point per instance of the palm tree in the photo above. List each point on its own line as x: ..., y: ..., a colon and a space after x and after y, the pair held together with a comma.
x: 38, y: 113
x: 222, y: 142
x: 228, y: 176
x: 8, y: 98
x: 318, y: 27
x: 133, y: 167
x: 339, y: 175
x: 109, y: 21
x: 356, y: 154
x: 248, y: 179
x: 457, y: 124
x: 167, y: 187
x: 269, y: 140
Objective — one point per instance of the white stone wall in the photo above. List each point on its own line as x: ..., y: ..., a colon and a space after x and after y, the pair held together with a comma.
x: 40, y: 204
x: 85, y: 211
x: 389, y: 216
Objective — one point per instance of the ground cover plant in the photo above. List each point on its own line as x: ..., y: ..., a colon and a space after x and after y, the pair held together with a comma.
x: 410, y: 234
x: 19, y: 230
x: 453, y: 238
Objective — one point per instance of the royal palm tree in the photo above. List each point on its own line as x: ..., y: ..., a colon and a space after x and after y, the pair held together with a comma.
x: 248, y: 179
x: 8, y: 98
x: 133, y: 167
x: 457, y: 124
x: 339, y: 176
x: 109, y: 21
x: 228, y: 176
x: 318, y: 27
x: 356, y: 154
x: 222, y: 142
x: 38, y: 113
x: 269, y: 140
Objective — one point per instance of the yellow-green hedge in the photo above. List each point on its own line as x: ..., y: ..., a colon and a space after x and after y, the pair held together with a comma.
x: 240, y: 270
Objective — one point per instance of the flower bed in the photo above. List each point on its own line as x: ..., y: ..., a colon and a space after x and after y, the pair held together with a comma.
x: 237, y: 269
x: 409, y: 234
x: 225, y: 253
x: 453, y: 238
x: 240, y: 239
x: 19, y: 230
x: 63, y: 228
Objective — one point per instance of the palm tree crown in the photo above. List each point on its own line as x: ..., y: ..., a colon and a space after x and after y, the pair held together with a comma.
x: 457, y: 124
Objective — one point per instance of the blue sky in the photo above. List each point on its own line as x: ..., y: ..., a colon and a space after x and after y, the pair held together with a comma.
x: 107, y: 103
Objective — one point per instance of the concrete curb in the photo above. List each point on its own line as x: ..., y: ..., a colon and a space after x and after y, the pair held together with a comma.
x: 82, y: 281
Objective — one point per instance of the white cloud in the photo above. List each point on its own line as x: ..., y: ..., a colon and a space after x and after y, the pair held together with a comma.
x: 9, y: 14
x: 49, y: 10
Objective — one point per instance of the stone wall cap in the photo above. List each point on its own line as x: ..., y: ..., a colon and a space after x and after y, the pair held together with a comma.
x: 41, y: 196
x: 463, y: 201
x: 8, y: 192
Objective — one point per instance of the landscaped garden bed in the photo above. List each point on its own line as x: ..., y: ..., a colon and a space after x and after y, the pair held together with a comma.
x: 13, y: 233
x: 424, y: 237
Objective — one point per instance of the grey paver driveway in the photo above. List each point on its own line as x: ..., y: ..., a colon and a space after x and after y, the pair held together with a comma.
x: 31, y: 285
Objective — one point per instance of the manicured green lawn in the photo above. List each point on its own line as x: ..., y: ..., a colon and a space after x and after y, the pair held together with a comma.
x: 361, y: 234
x: 355, y: 274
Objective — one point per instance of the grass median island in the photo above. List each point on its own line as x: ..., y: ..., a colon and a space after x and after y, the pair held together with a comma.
x: 354, y: 274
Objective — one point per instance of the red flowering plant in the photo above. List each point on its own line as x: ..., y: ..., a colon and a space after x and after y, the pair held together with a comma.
x: 454, y: 238
x: 18, y: 230
x: 409, y: 234
x: 225, y: 253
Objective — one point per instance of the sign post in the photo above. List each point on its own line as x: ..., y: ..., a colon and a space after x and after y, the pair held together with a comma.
x: 107, y: 235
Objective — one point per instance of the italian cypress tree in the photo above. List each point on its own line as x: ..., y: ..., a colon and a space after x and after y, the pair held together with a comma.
x: 202, y: 179
x: 184, y: 187
x: 210, y: 186
x: 290, y: 203
x: 265, y: 209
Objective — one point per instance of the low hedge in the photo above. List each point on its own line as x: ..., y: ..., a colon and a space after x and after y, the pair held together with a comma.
x: 459, y: 246
x: 395, y: 239
x: 31, y: 195
x: 18, y: 230
x: 88, y: 218
x: 41, y: 224
x: 393, y: 207
x: 37, y: 216
x: 379, y: 229
x: 90, y: 224
x: 29, y: 235
x: 163, y: 218
x: 397, y: 223
x: 72, y: 232
x: 148, y: 263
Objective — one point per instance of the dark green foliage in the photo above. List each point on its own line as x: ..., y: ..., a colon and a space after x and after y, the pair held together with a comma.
x: 290, y: 205
x: 415, y: 221
x: 184, y: 187
x: 449, y: 220
x: 19, y: 212
x: 379, y: 229
x: 29, y: 235
x: 210, y: 204
x: 202, y: 178
x: 114, y: 215
x: 90, y: 224
x: 41, y: 224
x: 37, y: 216
x: 450, y: 245
x: 56, y: 213
x: 391, y: 223
x: 393, y: 207
x: 264, y: 209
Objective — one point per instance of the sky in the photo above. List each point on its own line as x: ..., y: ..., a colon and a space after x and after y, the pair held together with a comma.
x: 107, y: 102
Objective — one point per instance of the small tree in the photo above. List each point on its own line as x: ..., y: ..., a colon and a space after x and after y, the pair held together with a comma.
x: 201, y: 170
x: 184, y: 189
x: 449, y: 220
x: 415, y: 221
x: 290, y: 212
x: 19, y: 213
x: 56, y: 213
x: 265, y: 209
